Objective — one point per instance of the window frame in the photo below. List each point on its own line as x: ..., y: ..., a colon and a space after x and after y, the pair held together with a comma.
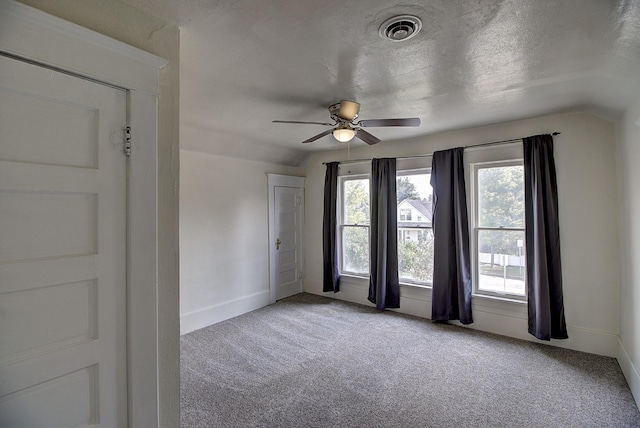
x: 476, y: 229
x: 403, y: 217
x: 358, y: 172
x: 341, y: 223
x: 406, y: 173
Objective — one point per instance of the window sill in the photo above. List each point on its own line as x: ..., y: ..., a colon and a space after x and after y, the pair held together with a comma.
x: 495, y: 298
x: 482, y: 300
x: 353, y: 279
x: 500, y: 305
x: 410, y: 284
x: 419, y: 299
x: 364, y: 280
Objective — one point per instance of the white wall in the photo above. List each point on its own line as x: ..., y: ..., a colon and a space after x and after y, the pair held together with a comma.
x: 127, y: 24
x: 585, y: 162
x: 224, y: 262
x: 628, y: 133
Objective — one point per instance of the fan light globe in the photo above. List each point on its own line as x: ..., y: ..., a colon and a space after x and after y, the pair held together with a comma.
x: 343, y: 135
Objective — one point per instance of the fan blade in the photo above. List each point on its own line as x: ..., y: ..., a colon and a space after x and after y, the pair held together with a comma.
x: 320, y: 135
x: 414, y: 121
x: 304, y: 123
x: 366, y: 137
x: 348, y: 110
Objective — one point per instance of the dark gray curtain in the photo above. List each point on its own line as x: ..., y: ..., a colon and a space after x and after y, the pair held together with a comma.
x: 451, y: 292
x: 384, y: 285
x: 544, y: 272
x: 330, y: 274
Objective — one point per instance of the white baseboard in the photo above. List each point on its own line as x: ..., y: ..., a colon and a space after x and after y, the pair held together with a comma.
x: 580, y: 339
x: 204, y: 317
x: 630, y: 371
x: 490, y: 315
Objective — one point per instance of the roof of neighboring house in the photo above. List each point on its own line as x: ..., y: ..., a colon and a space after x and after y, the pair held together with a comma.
x: 424, y: 207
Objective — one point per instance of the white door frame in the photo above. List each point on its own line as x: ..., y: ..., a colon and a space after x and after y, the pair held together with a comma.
x: 36, y: 36
x: 276, y: 180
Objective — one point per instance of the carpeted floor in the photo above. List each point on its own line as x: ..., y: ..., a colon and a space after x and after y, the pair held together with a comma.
x: 310, y: 361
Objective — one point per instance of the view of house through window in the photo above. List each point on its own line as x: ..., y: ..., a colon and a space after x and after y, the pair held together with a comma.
x: 415, y: 235
x: 499, y: 229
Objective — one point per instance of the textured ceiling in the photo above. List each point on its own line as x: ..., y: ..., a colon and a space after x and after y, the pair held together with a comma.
x: 475, y: 62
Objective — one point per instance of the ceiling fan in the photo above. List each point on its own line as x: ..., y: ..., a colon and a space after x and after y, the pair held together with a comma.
x: 345, y: 127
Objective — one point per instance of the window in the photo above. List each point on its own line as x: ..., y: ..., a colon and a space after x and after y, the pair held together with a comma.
x: 405, y: 215
x: 498, y: 218
x: 415, y: 239
x: 354, y: 225
x: 496, y: 198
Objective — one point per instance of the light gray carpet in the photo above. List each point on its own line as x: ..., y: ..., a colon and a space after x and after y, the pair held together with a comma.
x: 310, y: 361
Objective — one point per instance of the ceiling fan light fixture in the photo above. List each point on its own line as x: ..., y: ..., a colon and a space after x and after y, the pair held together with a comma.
x: 348, y: 110
x: 344, y: 134
x: 345, y: 127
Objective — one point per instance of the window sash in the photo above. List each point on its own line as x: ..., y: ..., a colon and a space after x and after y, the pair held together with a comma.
x: 344, y: 226
x: 406, y: 277
x: 406, y: 215
x: 477, y: 229
x: 344, y: 263
x: 507, y: 291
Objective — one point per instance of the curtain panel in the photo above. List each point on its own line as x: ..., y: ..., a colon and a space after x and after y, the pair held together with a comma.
x: 542, y: 233
x: 384, y: 284
x: 330, y: 272
x: 452, y: 287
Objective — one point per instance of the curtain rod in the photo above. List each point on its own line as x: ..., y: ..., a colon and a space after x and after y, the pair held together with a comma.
x: 493, y: 143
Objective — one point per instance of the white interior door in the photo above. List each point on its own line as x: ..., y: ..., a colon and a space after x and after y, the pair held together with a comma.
x: 288, y: 244
x: 62, y: 250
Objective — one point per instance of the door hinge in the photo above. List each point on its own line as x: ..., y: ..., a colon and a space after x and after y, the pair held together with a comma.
x: 127, y: 141
x: 299, y: 200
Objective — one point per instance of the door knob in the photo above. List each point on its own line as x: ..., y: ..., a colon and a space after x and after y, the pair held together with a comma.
x: 278, y: 242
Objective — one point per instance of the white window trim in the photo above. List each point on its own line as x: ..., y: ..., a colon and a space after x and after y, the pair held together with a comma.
x: 475, y: 228
x: 342, y: 224
x: 357, y: 173
x: 405, y: 173
x: 484, y: 155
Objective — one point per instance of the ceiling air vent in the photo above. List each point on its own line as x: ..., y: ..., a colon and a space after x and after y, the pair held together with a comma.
x: 400, y: 28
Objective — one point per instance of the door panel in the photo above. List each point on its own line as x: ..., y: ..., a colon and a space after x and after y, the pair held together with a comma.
x: 73, y: 392
x: 73, y: 128
x: 36, y: 225
x: 66, y: 315
x: 288, y: 229
x: 62, y: 250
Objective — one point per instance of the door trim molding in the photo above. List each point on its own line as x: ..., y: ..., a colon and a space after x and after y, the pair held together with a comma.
x: 35, y: 35
x: 277, y: 180
x: 31, y: 34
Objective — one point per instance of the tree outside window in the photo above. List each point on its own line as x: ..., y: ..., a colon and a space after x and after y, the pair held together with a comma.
x: 499, y: 228
x: 498, y: 220
x: 415, y: 236
x: 355, y: 227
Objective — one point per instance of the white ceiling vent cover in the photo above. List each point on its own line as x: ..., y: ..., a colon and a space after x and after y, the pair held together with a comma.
x: 400, y: 28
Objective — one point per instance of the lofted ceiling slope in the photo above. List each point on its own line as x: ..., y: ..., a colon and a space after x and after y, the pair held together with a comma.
x: 245, y: 63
